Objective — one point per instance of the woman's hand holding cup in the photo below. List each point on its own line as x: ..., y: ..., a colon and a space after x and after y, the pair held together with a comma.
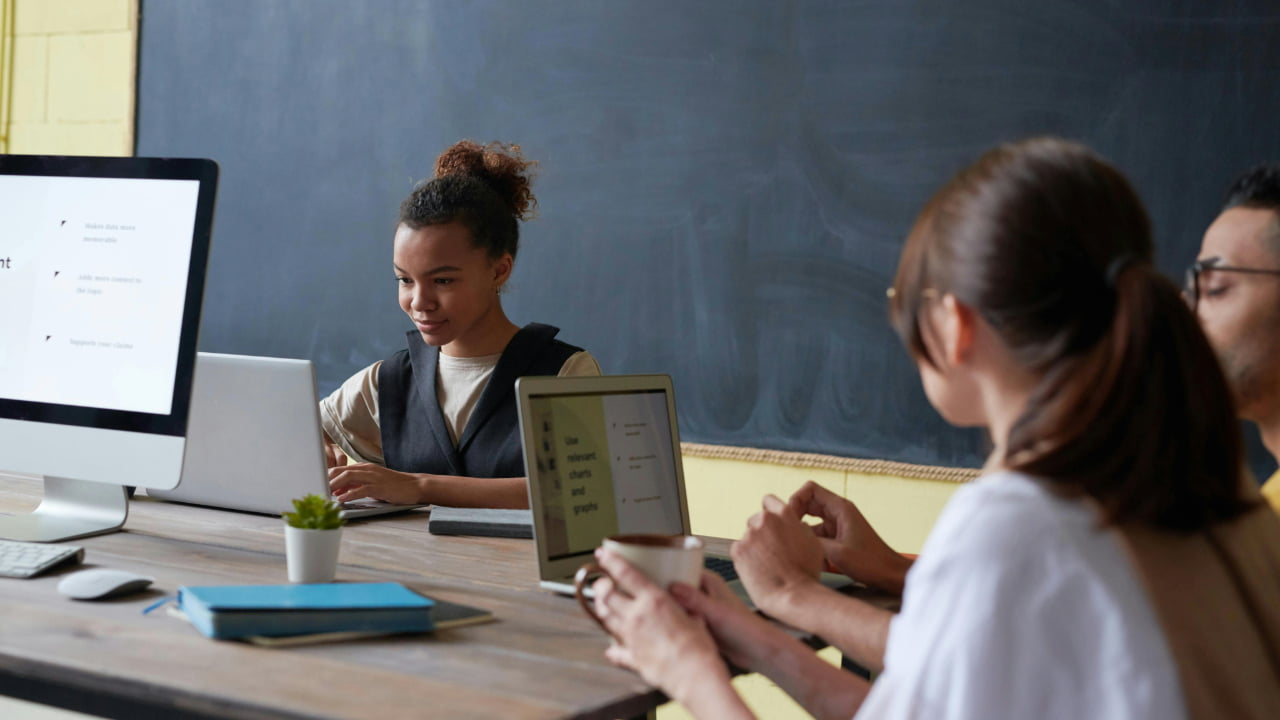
x: 653, y: 633
x: 658, y: 560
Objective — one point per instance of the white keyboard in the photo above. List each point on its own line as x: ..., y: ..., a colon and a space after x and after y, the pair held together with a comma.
x: 27, y: 559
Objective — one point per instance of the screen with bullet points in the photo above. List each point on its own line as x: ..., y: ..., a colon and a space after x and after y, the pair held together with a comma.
x: 102, y: 265
x: 607, y: 465
x: 92, y: 278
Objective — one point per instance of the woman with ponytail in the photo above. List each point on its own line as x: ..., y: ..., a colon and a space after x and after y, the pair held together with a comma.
x: 436, y: 422
x: 1112, y: 561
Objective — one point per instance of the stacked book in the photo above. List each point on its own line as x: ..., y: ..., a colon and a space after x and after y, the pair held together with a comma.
x: 295, y: 611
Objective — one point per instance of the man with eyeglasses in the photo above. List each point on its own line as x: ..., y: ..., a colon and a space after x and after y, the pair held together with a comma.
x: 1234, y: 287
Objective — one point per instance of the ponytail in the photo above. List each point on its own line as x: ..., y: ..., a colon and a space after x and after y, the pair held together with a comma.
x: 1051, y: 246
x: 1142, y: 422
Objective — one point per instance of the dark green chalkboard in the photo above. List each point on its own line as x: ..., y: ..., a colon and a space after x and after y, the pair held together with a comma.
x: 724, y: 185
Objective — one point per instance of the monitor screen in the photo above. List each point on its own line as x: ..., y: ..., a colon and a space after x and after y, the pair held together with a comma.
x: 101, y: 273
x: 606, y: 465
x: 102, y: 269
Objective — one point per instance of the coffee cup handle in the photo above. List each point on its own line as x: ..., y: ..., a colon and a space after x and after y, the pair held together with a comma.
x: 579, y: 581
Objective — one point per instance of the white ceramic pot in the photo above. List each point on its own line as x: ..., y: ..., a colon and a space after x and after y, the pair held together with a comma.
x: 312, y: 554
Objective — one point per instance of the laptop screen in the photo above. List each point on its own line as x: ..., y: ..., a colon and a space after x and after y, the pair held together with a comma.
x: 606, y: 465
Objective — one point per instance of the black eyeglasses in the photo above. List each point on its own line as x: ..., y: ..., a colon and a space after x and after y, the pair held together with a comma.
x: 1191, y: 288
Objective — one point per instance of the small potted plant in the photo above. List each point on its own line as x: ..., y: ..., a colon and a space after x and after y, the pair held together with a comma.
x: 312, y: 537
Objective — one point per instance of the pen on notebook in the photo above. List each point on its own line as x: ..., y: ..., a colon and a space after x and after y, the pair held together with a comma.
x: 156, y: 604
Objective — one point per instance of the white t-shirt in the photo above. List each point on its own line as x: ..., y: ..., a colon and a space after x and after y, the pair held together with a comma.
x: 462, y: 381
x: 1021, y: 607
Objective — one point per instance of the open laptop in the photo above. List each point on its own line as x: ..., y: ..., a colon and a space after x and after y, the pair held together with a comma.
x: 603, y: 458
x: 253, y: 438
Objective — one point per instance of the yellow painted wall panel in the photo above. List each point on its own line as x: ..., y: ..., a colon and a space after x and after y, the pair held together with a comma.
x: 78, y: 139
x: 902, y: 510
x: 6, y: 66
x: 30, y: 79
x: 70, y: 16
x: 724, y: 493
x: 91, y: 77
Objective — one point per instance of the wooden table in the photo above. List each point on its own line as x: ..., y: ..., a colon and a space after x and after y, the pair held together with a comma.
x: 542, y: 658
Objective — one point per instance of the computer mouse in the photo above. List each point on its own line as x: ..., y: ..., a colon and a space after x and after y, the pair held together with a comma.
x: 102, y: 583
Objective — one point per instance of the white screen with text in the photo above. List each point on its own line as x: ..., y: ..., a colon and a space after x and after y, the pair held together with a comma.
x: 93, y: 280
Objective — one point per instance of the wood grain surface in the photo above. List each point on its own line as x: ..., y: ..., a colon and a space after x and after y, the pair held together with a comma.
x: 541, y: 659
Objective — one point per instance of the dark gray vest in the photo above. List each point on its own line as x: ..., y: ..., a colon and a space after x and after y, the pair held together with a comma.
x: 415, y: 437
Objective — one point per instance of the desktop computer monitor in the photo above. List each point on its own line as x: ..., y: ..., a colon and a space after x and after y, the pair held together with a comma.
x: 102, y: 269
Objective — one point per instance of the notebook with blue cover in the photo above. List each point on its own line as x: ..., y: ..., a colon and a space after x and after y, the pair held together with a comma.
x: 234, y: 611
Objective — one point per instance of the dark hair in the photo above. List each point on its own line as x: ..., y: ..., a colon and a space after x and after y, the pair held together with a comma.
x: 484, y: 187
x: 1052, y: 247
x: 1257, y: 188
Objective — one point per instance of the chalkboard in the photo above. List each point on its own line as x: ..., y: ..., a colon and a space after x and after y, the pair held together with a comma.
x: 724, y: 185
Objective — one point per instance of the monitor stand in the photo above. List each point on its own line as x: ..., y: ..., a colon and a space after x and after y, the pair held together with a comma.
x: 70, y: 509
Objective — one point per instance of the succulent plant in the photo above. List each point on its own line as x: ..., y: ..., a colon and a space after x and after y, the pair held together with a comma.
x: 314, y: 512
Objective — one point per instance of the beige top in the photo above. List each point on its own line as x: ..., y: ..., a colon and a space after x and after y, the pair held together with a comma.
x: 349, y: 415
x: 1217, y: 595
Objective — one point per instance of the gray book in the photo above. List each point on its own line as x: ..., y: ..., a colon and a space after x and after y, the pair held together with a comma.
x: 486, y: 522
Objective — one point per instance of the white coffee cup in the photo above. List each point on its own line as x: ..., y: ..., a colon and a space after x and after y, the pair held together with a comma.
x: 664, y: 559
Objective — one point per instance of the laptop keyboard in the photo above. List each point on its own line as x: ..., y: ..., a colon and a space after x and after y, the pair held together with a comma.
x: 721, y: 566
x: 28, y: 559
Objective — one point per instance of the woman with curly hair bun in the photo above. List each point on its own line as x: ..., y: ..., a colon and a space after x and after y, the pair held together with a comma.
x: 436, y: 422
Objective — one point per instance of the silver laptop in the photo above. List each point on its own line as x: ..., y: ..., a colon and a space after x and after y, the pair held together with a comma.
x: 253, y: 438
x: 603, y: 458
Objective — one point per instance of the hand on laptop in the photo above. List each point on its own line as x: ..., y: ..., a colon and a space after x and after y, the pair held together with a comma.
x: 333, y: 455
x: 777, y: 557
x: 367, y: 480
x: 849, y: 542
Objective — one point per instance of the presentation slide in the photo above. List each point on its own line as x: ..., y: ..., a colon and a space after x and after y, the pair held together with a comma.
x: 606, y: 467
x: 642, y: 463
x: 93, y: 277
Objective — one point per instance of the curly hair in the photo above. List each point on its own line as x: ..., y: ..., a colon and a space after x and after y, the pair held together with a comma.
x: 487, y: 188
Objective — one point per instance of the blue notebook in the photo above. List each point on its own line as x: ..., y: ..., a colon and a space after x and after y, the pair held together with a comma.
x: 234, y: 611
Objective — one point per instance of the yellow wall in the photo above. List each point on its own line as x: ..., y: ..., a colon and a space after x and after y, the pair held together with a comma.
x: 6, y: 63
x: 70, y: 90
x: 74, y: 66
x: 724, y: 493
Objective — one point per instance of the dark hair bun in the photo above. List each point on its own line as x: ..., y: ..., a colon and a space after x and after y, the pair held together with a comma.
x: 500, y: 166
